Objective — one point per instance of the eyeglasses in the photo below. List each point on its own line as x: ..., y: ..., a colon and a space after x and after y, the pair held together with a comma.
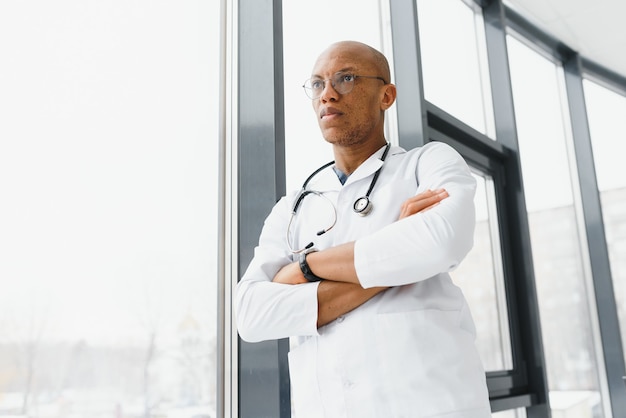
x: 343, y: 83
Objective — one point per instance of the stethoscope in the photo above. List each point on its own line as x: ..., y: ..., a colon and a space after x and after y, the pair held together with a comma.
x: 362, y: 206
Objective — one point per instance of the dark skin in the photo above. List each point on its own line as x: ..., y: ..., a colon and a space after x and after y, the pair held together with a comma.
x: 354, y: 124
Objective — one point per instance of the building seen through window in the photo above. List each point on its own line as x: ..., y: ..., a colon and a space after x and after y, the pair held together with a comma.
x: 570, y: 339
x: 607, y: 125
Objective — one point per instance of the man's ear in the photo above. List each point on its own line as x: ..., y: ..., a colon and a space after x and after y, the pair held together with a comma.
x: 388, y: 96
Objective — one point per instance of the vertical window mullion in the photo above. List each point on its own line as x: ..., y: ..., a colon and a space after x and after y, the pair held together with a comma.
x: 262, y: 367
x: 596, y: 239
x: 410, y: 105
x: 521, y: 274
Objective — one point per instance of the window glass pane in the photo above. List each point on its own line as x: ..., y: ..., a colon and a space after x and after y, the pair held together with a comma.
x: 304, y: 39
x: 108, y: 120
x: 481, y: 278
x: 567, y: 329
x: 454, y: 63
x: 606, y: 110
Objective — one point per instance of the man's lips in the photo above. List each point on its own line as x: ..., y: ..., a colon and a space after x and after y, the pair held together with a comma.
x: 328, y: 112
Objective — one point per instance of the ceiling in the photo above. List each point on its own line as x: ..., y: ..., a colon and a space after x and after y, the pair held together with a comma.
x: 594, y: 28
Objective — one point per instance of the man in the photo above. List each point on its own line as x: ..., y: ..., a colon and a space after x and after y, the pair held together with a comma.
x: 381, y: 329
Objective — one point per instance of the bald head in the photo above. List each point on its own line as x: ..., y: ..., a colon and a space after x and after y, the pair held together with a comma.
x: 360, y: 52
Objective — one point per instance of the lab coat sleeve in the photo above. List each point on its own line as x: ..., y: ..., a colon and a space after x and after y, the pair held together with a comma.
x: 428, y: 243
x: 265, y: 310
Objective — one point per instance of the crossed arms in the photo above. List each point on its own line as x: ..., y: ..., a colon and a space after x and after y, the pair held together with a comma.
x: 270, y: 301
x: 340, y: 291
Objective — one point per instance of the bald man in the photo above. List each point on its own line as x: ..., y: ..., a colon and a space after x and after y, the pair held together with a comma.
x: 354, y: 266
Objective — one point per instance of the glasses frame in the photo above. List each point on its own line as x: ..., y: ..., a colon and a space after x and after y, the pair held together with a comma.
x: 309, y: 90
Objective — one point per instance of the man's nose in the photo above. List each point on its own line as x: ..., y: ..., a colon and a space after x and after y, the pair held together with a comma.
x: 329, y: 93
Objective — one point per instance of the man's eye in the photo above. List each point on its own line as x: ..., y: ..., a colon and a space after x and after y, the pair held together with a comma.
x: 317, y: 84
x: 346, y: 78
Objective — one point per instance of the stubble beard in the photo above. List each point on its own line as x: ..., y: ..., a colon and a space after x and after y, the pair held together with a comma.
x: 353, y: 137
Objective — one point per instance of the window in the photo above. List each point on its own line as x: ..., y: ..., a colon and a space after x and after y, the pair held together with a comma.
x: 454, y: 63
x: 606, y: 110
x: 487, y: 275
x: 460, y: 107
x: 569, y: 333
x: 107, y: 223
x: 481, y: 277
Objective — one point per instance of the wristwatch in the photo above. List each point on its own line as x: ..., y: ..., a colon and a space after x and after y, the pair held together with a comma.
x: 304, y: 266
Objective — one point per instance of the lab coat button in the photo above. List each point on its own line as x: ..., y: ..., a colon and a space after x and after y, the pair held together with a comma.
x: 340, y: 319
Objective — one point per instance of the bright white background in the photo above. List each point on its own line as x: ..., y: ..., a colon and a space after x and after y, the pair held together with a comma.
x: 108, y: 140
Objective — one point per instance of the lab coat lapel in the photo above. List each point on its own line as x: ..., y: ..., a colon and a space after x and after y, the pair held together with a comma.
x: 325, y: 181
x: 367, y: 168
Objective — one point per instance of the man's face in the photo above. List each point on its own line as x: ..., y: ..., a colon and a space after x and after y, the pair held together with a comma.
x: 354, y: 117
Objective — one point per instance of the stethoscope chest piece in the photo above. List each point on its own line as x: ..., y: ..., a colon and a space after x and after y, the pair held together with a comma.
x: 362, y: 206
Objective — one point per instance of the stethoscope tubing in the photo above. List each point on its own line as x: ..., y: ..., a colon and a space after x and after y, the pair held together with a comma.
x: 362, y: 206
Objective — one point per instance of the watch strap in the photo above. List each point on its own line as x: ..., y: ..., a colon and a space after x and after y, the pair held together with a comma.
x: 306, y: 270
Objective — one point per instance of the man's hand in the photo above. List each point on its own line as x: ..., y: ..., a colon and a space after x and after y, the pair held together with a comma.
x: 422, y: 202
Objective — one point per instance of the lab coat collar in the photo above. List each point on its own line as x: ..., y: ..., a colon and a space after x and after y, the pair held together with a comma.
x: 327, y: 179
x: 368, y: 167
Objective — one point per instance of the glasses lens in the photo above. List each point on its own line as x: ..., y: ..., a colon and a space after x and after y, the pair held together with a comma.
x: 343, y: 83
x: 313, y: 87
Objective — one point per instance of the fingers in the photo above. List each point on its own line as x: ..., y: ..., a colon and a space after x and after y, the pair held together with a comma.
x: 432, y: 201
x: 422, y: 202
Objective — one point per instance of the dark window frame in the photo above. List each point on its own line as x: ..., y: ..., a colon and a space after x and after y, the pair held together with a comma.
x: 508, y: 389
x: 262, y: 368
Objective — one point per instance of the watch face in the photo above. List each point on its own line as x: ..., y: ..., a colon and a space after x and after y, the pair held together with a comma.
x: 362, y: 206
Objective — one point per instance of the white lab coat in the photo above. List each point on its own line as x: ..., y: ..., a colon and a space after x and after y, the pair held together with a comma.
x: 409, y: 351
